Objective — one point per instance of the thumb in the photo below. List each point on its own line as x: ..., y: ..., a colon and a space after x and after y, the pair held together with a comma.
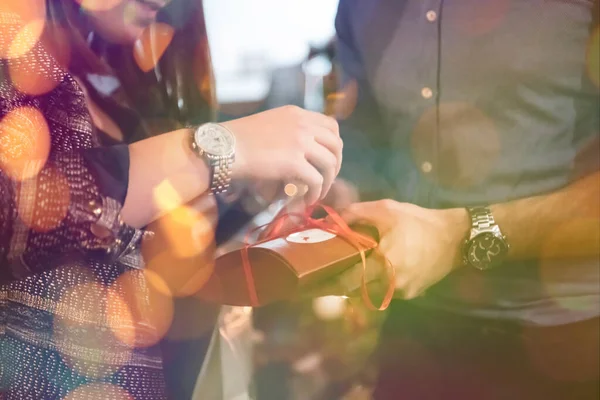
x: 366, y: 212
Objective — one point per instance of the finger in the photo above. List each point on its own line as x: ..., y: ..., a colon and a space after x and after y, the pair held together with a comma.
x: 334, y: 145
x: 305, y: 172
x: 324, y: 121
x: 352, y: 279
x: 362, y: 212
x: 325, y: 162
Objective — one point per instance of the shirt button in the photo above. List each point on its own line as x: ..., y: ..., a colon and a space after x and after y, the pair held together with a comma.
x: 426, y: 93
x: 431, y: 15
x: 426, y: 167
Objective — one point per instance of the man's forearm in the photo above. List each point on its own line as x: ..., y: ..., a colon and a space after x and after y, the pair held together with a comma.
x: 565, y: 223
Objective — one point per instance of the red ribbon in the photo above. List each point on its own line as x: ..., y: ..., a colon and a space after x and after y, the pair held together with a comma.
x: 338, y: 227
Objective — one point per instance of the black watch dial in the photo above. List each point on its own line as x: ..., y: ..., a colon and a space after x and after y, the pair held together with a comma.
x: 486, y: 250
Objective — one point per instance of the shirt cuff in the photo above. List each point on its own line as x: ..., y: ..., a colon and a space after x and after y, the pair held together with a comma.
x: 110, y: 168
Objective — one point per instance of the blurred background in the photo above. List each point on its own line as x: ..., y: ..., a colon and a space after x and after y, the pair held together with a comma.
x: 316, y: 349
x: 256, y: 68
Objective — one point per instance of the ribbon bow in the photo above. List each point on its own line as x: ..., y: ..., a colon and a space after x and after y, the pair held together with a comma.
x: 335, y: 224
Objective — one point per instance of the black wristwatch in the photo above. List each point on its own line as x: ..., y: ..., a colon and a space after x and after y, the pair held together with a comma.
x: 485, y: 247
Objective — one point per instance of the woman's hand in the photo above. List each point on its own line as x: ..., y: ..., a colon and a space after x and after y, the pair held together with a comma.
x: 289, y: 145
x: 341, y: 195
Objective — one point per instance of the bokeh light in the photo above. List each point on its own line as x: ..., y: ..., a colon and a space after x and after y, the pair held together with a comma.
x: 462, y: 123
x: 19, y: 35
x: 183, y: 246
x: 166, y: 196
x: 341, y: 104
x: 481, y: 17
x: 593, y: 57
x: 203, y: 74
x: 329, y: 307
x: 41, y: 70
x: 24, y: 143
x: 51, y: 206
x: 290, y: 190
x: 152, y: 44
x: 150, y: 305
x: 85, y: 343
x: 96, y: 391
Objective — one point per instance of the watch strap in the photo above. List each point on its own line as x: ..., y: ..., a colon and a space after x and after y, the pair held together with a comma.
x: 481, y: 218
x: 220, y: 175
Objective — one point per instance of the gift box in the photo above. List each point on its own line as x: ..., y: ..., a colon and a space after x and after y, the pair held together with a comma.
x: 283, y: 267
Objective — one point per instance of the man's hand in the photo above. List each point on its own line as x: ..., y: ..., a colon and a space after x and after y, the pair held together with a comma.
x: 422, y: 245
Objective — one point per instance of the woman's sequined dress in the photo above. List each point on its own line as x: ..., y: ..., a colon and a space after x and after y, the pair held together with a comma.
x: 76, y: 318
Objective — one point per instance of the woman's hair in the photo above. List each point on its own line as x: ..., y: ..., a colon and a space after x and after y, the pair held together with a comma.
x: 177, y: 91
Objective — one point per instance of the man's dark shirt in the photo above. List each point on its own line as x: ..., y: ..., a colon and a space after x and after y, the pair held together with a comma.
x: 476, y: 102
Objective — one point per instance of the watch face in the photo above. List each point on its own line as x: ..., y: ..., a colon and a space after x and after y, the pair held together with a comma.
x: 215, y: 140
x: 486, y: 250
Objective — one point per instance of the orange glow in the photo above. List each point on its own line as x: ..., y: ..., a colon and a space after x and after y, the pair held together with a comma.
x: 51, y: 206
x: 152, y: 44
x: 26, y: 38
x: 182, y: 249
x: 187, y: 231
x: 24, y: 143
x: 576, y: 238
x: 98, y: 5
x: 593, y: 57
x: 20, y: 35
x: 183, y: 277
x: 203, y: 74
x: 150, y: 305
x: 342, y: 103
x: 39, y: 72
x: 95, y: 391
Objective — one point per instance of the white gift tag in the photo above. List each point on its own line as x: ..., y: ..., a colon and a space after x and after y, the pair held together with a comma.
x: 310, y: 236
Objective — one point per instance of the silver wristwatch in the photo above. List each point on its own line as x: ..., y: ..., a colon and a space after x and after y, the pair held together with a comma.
x: 216, y: 145
x: 486, y: 247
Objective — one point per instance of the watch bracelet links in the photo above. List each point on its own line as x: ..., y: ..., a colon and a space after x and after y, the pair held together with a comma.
x: 481, y: 218
x: 221, y: 176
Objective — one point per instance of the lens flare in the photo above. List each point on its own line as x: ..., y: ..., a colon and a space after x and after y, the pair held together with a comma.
x: 152, y: 44
x: 24, y: 143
